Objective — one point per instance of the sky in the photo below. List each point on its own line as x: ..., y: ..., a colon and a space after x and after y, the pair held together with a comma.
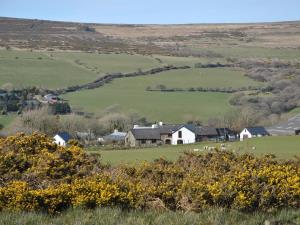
x: 154, y: 11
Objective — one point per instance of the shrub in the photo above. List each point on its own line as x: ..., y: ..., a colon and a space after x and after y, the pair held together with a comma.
x: 192, y: 183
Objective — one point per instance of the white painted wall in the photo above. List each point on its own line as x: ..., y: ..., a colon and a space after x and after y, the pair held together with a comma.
x: 245, y: 132
x: 58, y: 140
x: 188, y: 137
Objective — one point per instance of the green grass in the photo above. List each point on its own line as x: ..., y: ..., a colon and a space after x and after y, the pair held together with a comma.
x: 24, y: 68
x: 106, y: 216
x: 283, y: 147
x: 257, y: 52
x: 130, y: 95
x: 190, y: 61
x: 295, y: 111
x: 211, y: 78
x: 104, y: 63
x: 6, y: 120
x: 29, y: 70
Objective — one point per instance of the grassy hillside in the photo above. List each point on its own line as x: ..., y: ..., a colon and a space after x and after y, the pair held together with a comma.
x: 107, y: 63
x: 131, y: 95
x: 258, y: 52
x: 211, y: 78
x: 56, y: 70
x: 37, y: 69
x: 283, y: 147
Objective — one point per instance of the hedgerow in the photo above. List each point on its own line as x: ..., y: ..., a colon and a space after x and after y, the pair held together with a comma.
x: 61, y: 178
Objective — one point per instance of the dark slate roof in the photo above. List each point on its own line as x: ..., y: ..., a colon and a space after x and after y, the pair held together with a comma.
x: 257, y: 130
x: 65, y: 136
x: 146, y: 133
x: 168, y: 129
x: 223, y: 131
x: 206, y: 131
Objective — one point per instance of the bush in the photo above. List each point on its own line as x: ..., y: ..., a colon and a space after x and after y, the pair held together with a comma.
x: 192, y: 183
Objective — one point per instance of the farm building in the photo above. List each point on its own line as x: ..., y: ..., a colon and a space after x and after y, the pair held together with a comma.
x: 160, y: 133
x: 206, y: 134
x: 62, y: 138
x: 115, y: 137
x: 143, y: 137
x: 251, y: 132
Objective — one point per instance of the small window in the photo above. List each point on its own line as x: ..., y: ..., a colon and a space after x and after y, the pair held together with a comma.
x: 169, y: 135
x: 143, y: 141
x: 179, y: 134
x: 153, y: 141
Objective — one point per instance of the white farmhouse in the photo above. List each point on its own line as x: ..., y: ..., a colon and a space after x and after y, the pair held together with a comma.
x: 159, y: 134
x: 62, y: 138
x: 183, y: 135
x: 251, y: 132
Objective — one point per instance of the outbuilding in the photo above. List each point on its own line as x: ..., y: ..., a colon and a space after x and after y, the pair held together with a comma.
x: 251, y: 132
x: 62, y: 138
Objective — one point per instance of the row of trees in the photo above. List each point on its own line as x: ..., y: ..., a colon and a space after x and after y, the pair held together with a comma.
x: 41, y: 120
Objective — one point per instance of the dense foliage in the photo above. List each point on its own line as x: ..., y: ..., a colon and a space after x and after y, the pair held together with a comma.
x: 38, y: 175
x: 35, y: 159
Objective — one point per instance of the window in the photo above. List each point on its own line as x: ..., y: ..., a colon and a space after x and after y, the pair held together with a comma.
x: 153, y: 141
x: 179, y: 134
x: 143, y: 141
x: 169, y: 135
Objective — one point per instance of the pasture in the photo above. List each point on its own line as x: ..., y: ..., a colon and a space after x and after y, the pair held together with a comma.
x: 131, y: 95
x: 23, y: 69
x: 257, y: 52
x: 108, y: 63
x: 204, y: 77
x: 57, y: 70
x: 283, y: 147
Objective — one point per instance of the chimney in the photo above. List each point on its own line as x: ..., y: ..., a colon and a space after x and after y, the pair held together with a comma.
x: 135, y: 126
x: 116, y: 131
x: 160, y: 123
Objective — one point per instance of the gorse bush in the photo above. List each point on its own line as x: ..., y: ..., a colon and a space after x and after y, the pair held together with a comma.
x: 40, y: 162
x: 38, y: 175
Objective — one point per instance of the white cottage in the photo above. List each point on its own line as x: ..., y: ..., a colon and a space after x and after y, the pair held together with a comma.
x: 62, y: 138
x: 183, y: 135
x: 251, y: 132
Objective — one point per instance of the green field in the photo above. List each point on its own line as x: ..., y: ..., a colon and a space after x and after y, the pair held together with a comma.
x: 56, y: 70
x: 107, y: 63
x: 283, y: 147
x: 38, y: 69
x: 131, y: 95
x: 257, y: 52
x: 211, y: 78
